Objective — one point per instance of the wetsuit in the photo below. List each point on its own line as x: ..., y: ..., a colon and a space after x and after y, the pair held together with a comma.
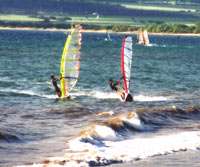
x: 114, y: 85
x: 57, y: 89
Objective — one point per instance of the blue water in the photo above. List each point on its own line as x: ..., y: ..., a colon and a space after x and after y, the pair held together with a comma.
x: 35, y: 124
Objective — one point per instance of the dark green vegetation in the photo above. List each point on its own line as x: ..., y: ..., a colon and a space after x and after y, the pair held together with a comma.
x: 119, y: 15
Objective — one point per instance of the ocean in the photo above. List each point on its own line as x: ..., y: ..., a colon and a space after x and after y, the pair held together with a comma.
x: 161, y: 127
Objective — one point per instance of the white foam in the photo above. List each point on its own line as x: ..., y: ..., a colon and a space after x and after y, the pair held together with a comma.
x: 150, y: 98
x: 96, y: 94
x: 112, y: 95
x: 91, y: 93
x: 28, y: 92
x: 159, y: 145
x: 48, y: 96
x: 150, y: 45
x: 74, y: 93
x: 157, y: 45
x: 104, y: 95
x: 129, y: 150
x: 134, y: 121
x: 105, y: 132
x: 77, y: 145
x: 126, y: 150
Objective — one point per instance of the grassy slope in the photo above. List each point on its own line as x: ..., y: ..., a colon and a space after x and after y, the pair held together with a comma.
x: 131, y: 14
x: 157, y: 8
x: 103, y: 20
x: 24, y: 18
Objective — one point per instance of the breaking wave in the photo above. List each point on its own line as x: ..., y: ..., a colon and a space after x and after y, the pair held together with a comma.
x: 129, y: 136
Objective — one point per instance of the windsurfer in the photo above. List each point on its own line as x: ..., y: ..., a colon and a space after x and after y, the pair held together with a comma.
x: 115, y: 85
x: 55, y: 85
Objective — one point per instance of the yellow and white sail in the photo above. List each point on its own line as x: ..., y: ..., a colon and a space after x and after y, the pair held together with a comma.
x: 70, y: 61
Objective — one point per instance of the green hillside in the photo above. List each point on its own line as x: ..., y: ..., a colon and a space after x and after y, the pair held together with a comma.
x: 118, y: 15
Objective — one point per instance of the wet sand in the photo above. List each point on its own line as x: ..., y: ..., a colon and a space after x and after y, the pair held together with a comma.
x: 184, y: 158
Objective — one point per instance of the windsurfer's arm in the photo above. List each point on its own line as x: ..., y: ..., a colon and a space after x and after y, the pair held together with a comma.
x: 57, y: 79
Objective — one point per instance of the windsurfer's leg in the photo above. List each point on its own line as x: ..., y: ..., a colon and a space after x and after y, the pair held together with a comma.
x: 123, y: 95
x: 58, y: 92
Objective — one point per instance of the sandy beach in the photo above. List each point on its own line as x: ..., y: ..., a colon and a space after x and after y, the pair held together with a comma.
x: 93, y: 31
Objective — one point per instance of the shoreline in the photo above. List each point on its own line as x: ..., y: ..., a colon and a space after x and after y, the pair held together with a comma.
x: 103, y: 31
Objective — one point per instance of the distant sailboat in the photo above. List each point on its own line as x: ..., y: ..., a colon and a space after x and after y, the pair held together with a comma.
x: 70, y: 62
x: 108, y: 38
x: 143, y: 38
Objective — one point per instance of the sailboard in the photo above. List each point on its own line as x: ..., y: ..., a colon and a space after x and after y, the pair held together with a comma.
x: 143, y: 38
x: 126, y: 62
x: 70, y: 61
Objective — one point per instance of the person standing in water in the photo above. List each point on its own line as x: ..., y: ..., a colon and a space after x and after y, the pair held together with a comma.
x: 55, y: 85
x: 115, y: 86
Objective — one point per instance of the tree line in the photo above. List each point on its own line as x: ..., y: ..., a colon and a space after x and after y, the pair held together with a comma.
x: 154, y: 27
x: 161, y: 28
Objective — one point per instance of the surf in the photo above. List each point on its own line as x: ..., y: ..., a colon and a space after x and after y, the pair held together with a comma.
x: 105, y: 143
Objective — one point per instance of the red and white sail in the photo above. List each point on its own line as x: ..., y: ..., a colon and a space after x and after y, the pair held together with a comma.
x: 126, y: 61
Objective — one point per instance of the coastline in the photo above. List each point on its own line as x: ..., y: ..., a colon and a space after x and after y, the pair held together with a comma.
x: 103, y: 31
